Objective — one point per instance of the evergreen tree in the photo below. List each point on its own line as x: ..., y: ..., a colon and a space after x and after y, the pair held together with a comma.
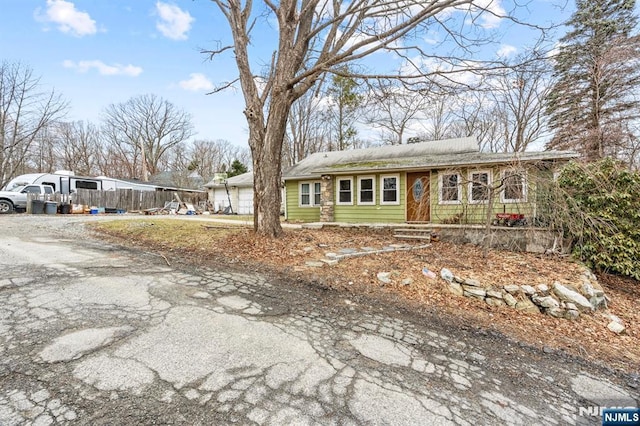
x: 237, y: 168
x: 344, y: 111
x: 597, y: 71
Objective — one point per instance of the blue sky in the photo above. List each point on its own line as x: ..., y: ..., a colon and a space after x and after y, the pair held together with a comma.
x: 99, y: 52
x: 96, y: 53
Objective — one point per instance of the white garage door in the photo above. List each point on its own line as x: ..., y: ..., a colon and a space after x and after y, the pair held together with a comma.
x: 245, y: 201
x: 220, y: 199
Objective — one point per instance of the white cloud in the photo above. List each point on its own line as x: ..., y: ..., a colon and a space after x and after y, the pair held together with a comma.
x: 102, y: 68
x: 69, y: 19
x: 493, y: 13
x: 506, y: 50
x: 174, y: 23
x: 196, y: 83
x: 488, y: 12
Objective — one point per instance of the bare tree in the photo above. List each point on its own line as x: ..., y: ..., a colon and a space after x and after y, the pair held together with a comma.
x: 319, y: 36
x: 439, y: 116
x: 77, y: 147
x: 462, y: 114
x: 475, y: 114
x: 41, y: 156
x: 393, y: 109
x: 147, y: 125
x: 519, y: 95
x: 307, y: 132
x: 117, y: 156
x: 210, y: 157
x: 25, y: 113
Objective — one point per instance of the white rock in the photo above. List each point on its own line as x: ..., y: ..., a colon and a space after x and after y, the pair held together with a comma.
x: 543, y: 289
x: 569, y: 295
x: 446, y: 275
x: 546, y: 302
x: 587, y: 289
x: 471, y: 282
x: 472, y: 291
x: 494, y: 293
x: 528, y: 290
x: 512, y: 289
x: 384, y: 277
x: 509, y: 299
x: 613, y: 318
x: 616, y: 327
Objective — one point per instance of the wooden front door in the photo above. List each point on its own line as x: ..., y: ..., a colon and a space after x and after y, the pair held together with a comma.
x: 418, y: 199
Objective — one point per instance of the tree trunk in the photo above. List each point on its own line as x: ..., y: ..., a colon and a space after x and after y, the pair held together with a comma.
x: 266, y: 148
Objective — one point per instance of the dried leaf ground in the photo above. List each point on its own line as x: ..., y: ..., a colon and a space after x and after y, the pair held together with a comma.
x: 587, y: 337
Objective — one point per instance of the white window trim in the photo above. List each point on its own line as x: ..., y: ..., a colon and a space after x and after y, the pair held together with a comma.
x: 525, y: 188
x: 311, y: 184
x: 390, y: 203
x: 373, y: 190
x: 440, y: 200
x: 470, y: 186
x: 313, y: 193
x: 338, y: 180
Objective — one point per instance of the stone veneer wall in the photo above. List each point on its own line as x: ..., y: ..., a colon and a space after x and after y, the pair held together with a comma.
x: 326, y: 199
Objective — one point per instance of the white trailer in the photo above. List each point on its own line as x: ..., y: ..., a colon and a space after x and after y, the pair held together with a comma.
x: 65, y: 182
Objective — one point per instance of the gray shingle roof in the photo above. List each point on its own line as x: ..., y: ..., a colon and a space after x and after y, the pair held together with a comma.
x: 243, y: 180
x: 321, y: 160
x: 435, y: 154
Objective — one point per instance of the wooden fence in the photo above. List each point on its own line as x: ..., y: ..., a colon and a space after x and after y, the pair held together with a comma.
x: 132, y: 200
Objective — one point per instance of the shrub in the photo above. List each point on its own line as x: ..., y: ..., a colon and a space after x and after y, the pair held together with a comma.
x: 600, y: 212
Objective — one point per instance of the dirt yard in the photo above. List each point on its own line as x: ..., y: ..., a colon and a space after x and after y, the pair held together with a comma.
x: 586, y: 337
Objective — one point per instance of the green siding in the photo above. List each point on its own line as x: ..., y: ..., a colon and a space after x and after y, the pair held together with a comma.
x: 440, y: 213
x: 378, y: 213
x: 476, y: 213
x: 294, y: 211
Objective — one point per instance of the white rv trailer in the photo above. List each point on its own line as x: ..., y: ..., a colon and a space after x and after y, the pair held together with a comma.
x: 65, y: 182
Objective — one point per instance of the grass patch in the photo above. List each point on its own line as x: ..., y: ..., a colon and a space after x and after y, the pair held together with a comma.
x: 239, y: 217
x: 168, y: 233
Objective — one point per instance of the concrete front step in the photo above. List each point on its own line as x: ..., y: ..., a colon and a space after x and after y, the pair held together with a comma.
x: 421, y: 233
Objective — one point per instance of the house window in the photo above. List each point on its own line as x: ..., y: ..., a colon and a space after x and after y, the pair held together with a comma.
x: 450, y: 188
x: 366, y: 190
x: 479, y: 187
x: 309, y: 194
x: 514, y: 186
x: 317, y: 193
x: 345, y: 191
x: 390, y: 189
